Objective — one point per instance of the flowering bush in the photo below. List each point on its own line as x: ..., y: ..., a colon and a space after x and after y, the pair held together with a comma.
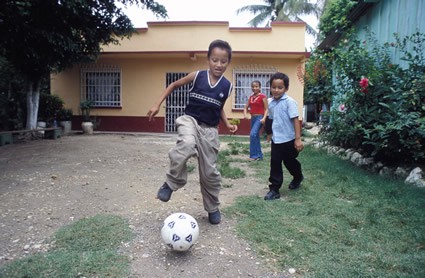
x: 318, y: 80
x: 384, y: 103
x: 364, y: 83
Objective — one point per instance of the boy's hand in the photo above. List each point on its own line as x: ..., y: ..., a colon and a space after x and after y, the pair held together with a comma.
x: 233, y: 128
x: 152, y: 112
x: 299, y: 146
x: 269, y: 138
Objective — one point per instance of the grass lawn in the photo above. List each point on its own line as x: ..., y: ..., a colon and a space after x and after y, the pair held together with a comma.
x: 343, y: 222
x: 86, y: 248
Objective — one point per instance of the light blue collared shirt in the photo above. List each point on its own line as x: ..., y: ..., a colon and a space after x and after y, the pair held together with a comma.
x: 282, y: 111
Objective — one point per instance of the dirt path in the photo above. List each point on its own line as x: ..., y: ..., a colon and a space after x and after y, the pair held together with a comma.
x: 46, y: 184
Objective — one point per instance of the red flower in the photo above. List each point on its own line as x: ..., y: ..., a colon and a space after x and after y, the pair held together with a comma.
x: 364, y: 83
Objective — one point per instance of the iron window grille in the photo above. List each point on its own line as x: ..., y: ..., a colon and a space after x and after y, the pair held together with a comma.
x: 176, y: 102
x: 102, y: 85
x: 242, y: 78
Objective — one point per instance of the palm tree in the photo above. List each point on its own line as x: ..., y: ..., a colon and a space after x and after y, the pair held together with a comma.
x: 280, y: 10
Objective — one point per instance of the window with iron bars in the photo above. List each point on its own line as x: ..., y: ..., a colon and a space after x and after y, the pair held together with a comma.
x: 176, y: 102
x: 242, y: 79
x: 102, y: 85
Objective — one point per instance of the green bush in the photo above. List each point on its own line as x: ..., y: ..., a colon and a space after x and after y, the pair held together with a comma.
x: 334, y: 18
x: 49, y: 107
x: 64, y: 114
x: 384, y: 115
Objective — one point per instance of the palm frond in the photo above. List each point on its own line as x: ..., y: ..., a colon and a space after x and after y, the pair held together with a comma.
x: 281, y: 10
x: 252, y: 9
x: 259, y: 19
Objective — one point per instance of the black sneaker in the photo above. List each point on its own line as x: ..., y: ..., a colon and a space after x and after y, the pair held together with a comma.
x: 295, y: 184
x: 164, y: 192
x: 272, y: 195
x: 214, y: 217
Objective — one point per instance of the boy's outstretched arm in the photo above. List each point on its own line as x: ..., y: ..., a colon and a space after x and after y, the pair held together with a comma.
x: 232, y: 128
x: 170, y: 88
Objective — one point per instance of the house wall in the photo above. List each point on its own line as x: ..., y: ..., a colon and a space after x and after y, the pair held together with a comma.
x: 396, y: 16
x: 145, y: 59
x: 175, y: 37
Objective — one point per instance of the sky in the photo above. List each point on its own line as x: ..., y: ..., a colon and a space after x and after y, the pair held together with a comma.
x: 204, y: 10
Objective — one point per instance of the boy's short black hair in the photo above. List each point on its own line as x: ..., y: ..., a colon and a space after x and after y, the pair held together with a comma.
x: 220, y: 44
x: 282, y: 76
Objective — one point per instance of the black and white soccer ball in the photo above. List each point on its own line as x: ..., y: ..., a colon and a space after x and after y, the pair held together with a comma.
x: 180, y: 231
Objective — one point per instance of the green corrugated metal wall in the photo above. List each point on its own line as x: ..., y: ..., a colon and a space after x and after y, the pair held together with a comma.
x: 387, y: 17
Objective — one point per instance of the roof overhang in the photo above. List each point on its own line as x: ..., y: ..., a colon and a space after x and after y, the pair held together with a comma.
x: 193, y: 55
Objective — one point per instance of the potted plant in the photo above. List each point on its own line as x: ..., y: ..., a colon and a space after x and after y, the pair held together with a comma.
x: 87, y: 124
x: 65, y: 120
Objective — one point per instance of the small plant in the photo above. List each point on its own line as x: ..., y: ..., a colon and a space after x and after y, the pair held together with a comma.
x: 86, y: 106
x: 238, y: 148
x: 234, y: 121
x: 64, y: 114
x: 225, y: 169
x: 190, y: 168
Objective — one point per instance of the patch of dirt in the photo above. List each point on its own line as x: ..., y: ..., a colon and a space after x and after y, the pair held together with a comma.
x: 46, y: 184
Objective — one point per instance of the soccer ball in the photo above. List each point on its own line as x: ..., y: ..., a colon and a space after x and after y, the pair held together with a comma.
x: 180, y: 231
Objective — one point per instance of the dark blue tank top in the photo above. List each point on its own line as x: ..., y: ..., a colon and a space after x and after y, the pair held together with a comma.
x: 206, y: 101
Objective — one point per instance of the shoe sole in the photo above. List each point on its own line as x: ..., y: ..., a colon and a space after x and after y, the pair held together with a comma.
x: 271, y: 199
x: 163, y: 199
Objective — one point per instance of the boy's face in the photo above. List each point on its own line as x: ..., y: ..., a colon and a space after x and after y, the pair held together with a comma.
x: 218, y: 61
x: 277, y: 88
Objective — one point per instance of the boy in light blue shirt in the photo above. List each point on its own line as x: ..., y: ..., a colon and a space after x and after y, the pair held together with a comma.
x: 286, y: 137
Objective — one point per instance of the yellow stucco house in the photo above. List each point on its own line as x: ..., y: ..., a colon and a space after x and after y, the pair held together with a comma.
x: 126, y: 79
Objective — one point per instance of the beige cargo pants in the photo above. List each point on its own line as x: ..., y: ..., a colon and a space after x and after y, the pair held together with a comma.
x: 201, y: 141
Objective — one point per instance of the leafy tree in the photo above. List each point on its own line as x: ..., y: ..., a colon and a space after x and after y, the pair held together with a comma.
x: 280, y: 10
x: 12, y: 100
x: 44, y: 36
x: 318, y: 79
x: 334, y: 17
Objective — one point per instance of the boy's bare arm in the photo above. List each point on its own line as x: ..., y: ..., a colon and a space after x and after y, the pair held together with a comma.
x: 298, y: 143
x: 170, y: 88
x: 232, y: 128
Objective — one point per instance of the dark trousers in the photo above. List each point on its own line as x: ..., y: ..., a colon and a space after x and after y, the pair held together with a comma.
x: 287, y: 154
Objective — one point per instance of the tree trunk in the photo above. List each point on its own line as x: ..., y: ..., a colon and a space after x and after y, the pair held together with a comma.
x: 33, y: 97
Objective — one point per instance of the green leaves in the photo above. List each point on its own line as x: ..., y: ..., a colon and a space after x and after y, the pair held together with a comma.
x: 41, y: 36
x: 334, y: 18
x: 386, y: 121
